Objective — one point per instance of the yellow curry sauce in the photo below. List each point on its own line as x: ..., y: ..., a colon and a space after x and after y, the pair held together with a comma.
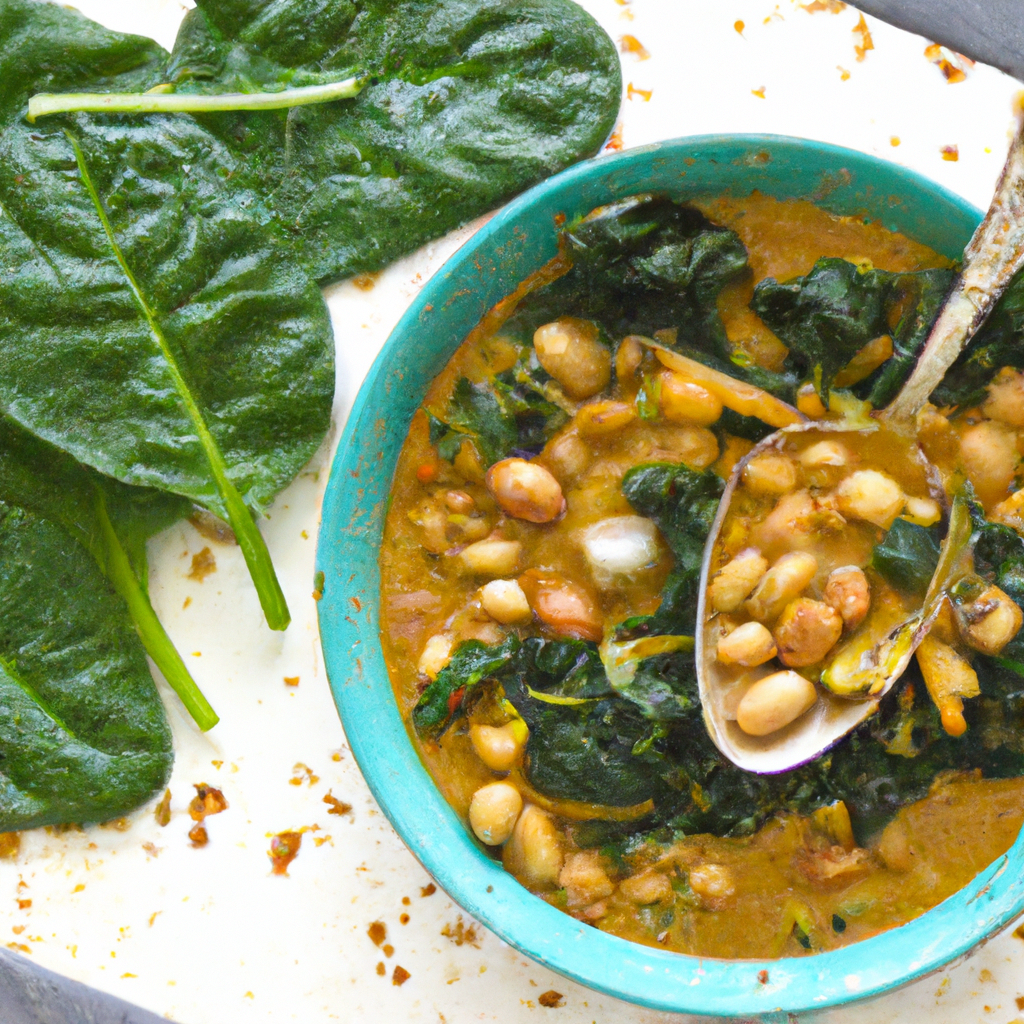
x: 701, y: 894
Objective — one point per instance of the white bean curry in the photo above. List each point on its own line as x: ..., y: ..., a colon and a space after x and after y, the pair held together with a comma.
x: 541, y: 570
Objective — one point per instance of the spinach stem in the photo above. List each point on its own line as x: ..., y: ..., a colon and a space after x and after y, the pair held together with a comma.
x: 118, y: 569
x: 45, y: 103
x: 250, y: 540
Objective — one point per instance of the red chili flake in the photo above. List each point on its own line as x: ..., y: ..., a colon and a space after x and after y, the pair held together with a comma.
x: 24, y: 904
x: 551, y: 999
x: 615, y: 139
x: 400, y: 976
x: 758, y: 92
x: 336, y: 806
x: 630, y: 44
x: 950, y: 153
x: 198, y: 835
x: 356, y: 603
x: 866, y: 42
x: 427, y: 473
x: 455, y: 699
x: 284, y: 848
x: 428, y: 890
x: 762, y: 977
x: 559, y: 219
x: 378, y: 932
x: 644, y: 94
x: 739, y: 26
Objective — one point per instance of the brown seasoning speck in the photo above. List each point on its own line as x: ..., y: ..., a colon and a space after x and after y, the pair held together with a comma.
x: 400, y: 976
x: 551, y: 999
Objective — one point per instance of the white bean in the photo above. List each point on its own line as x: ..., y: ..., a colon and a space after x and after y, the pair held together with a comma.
x: 493, y: 812
x: 500, y: 747
x: 770, y: 474
x: 735, y: 581
x: 871, y: 496
x: 526, y: 490
x: 491, y: 557
x: 570, y: 351
x: 773, y: 702
x: 748, y: 645
x: 534, y: 853
x: 620, y: 546
x: 437, y: 652
x: 505, y: 601
x: 782, y: 583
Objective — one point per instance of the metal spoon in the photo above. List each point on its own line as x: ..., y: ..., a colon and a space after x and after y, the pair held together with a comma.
x: 993, y: 257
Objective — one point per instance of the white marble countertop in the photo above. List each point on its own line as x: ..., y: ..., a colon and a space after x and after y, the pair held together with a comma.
x: 210, y: 936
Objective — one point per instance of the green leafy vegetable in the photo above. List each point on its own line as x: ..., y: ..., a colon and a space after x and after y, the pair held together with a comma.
x: 829, y: 314
x: 83, y: 736
x: 682, y: 504
x: 908, y: 556
x: 112, y: 522
x: 506, y: 414
x: 153, y: 328
x: 999, y: 343
x: 466, y: 103
x: 643, y: 265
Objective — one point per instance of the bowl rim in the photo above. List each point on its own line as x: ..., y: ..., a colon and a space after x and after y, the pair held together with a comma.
x: 347, y: 549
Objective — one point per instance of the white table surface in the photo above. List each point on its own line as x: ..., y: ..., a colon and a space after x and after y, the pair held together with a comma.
x: 210, y: 936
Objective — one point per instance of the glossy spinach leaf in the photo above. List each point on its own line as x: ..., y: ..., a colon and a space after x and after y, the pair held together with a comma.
x: 83, y: 736
x: 829, y: 314
x: 999, y: 343
x: 908, y: 556
x: 466, y: 103
x: 112, y: 522
x: 153, y: 328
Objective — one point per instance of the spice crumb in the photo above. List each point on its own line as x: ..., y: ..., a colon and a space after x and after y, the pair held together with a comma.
x: 951, y: 153
x: 630, y: 44
x: 400, y: 976
x: 162, y: 811
x: 739, y: 26
x: 428, y: 890
x: 291, y: 680
x: 389, y: 950
x: 336, y: 806
x: 203, y: 564
x: 404, y: 919
x: 894, y: 140
x: 866, y: 42
x: 644, y: 94
x: 381, y: 969
x: 551, y: 999
x: 758, y: 92
x: 378, y: 932
x: 460, y: 933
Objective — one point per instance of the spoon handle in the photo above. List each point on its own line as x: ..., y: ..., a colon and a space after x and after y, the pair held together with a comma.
x: 994, y: 254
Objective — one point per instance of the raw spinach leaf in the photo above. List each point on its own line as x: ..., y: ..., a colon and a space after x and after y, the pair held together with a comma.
x: 907, y: 557
x: 504, y: 415
x: 153, y: 328
x: 999, y: 343
x: 83, y: 736
x: 467, y: 102
x: 829, y: 314
x: 112, y: 522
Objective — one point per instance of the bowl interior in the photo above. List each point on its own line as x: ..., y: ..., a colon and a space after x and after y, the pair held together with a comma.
x: 515, y: 242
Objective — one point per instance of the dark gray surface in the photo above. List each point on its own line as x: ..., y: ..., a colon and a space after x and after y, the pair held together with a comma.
x: 32, y: 995
x: 991, y: 31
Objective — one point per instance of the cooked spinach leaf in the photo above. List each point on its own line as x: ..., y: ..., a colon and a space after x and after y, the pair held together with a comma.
x: 682, y: 503
x: 999, y: 343
x: 153, y: 328
x: 112, y: 522
x: 83, y: 736
x: 466, y: 103
x: 506, y: 414
x: 907, y: 557
x: 829, y: 314
x: 643, y: 265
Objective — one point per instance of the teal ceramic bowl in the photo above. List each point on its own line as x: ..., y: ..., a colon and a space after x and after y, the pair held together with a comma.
x: 515, y: 242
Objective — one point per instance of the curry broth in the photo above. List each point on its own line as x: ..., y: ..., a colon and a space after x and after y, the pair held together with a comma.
x: 798, y: 883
